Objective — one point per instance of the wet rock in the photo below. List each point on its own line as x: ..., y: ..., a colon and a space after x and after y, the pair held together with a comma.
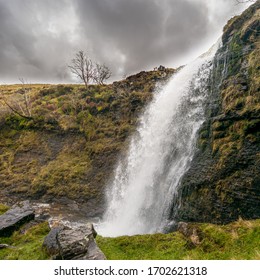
x: 171, y: 226
x: 15, y: 217
x: 223, y: 180
x: 73, y: 243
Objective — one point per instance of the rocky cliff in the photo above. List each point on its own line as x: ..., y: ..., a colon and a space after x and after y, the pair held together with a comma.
x: 223, y: 182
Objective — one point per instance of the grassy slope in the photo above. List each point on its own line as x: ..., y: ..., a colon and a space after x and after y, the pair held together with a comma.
x: 73, y: 142
x: 26, y: 243
x: 238, y: 240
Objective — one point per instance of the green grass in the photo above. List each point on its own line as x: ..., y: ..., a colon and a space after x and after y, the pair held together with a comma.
x: 3, y: 208
x: 239, y: 240
x: 25, y: 245
x: 72, y: 142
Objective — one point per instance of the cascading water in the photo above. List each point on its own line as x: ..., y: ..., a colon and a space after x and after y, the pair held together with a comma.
x: 159, y: 154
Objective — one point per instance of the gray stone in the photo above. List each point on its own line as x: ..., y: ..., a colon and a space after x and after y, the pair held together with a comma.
x: 94, y: 253
x: 3, y: 246
x: 73, y: 243
x: 50, y: 243
x: 15, y: 217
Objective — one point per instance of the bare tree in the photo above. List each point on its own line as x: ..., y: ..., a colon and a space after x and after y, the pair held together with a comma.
x: 82, y: 67
x: 101, y: 73
x: 21, y: 104
x: 26, y: 99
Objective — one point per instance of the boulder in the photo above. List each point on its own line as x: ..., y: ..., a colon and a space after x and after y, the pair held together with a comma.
x: 192, y: 232
x: 4, y: 246
x: 18, y: 215
x: 73, y: 243
x: 50, y: 243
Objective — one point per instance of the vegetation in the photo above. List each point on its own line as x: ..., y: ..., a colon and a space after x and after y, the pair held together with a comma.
x: 70, y: 146
x: 223, y: 181
x: 235, y: 241
x: 26, y: 243
x: 238, y: 240
x: 64, y: 140
x: 3, y: 208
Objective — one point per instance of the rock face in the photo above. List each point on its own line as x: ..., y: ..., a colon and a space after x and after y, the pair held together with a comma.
x: 223, y: 182
x: 73, y: 243
x: 18, y: 215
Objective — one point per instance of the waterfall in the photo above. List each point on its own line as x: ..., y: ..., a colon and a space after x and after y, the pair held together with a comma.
x: 159, y: 154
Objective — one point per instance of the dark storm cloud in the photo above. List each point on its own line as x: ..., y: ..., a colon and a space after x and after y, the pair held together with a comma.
x: 142, y: 33
x: 39, y: 37
x: 29, y: 47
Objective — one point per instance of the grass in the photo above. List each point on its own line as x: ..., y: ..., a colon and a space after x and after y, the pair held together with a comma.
x: 72, y: 142
x: 3, y: 208
x: 26, y: 244
x: 238, y: 240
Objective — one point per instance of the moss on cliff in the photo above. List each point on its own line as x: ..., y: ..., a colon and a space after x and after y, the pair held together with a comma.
x: 223, y: 182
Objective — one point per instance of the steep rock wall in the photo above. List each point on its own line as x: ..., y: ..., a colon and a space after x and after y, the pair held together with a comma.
x: 223, y: 182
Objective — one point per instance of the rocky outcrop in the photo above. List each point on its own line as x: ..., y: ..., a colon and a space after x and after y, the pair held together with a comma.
x: 73, y: 243
x: 192, y: 232
x: 223, y: 182
x: 15, y: 217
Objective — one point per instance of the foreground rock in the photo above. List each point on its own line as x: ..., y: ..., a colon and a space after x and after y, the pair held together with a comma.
x: 18, y: 215
x: 73, y: 243
x: 4, y: 246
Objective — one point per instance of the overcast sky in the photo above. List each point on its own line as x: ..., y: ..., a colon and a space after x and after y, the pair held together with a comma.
x: 38, y: 38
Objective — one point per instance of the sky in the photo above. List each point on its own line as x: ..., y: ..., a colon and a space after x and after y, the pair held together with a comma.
x: 39, y: 38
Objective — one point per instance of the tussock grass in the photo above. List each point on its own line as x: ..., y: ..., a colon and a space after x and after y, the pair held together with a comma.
x: 238, y: 240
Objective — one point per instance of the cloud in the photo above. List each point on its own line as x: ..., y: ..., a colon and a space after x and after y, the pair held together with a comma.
x: 39, y: 37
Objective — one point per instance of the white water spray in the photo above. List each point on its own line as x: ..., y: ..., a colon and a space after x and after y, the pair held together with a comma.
x: 159, y: 154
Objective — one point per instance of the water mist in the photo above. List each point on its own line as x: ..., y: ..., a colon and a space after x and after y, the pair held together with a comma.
x: 159, y: 154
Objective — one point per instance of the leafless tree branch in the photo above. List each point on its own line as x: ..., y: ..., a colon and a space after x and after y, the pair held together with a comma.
x: 102, y: 73
x: 84, y: 69
x: 22, y: 106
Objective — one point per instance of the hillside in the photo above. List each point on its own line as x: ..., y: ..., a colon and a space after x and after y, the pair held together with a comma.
x: 68, y: 147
